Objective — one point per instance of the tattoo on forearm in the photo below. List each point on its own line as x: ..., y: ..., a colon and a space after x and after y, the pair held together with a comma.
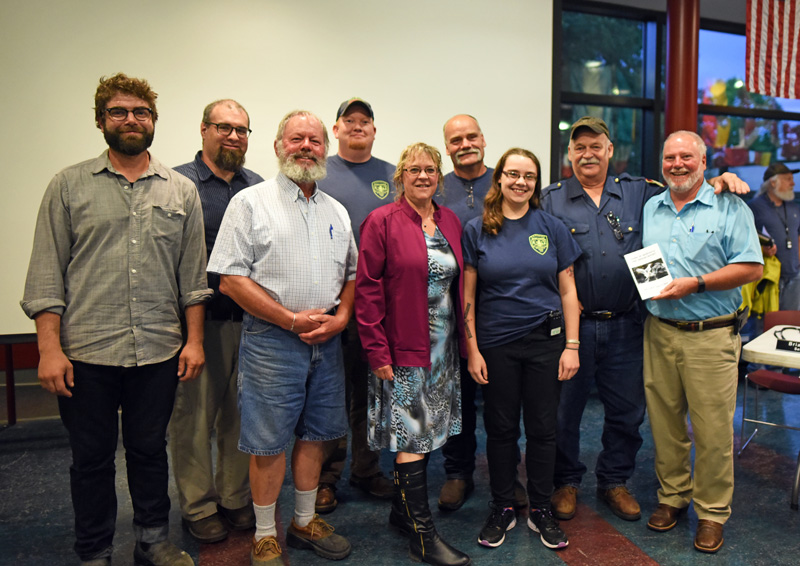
x: 466, y: 325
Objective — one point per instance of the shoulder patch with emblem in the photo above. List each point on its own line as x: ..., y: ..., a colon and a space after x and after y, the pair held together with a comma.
x: 381, y: 189
x: 539, y: 243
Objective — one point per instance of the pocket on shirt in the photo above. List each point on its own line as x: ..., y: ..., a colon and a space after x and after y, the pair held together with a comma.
x: 706, y: 243
x: 340, y: 242
x: 582, y: 236
x: 168, y: 223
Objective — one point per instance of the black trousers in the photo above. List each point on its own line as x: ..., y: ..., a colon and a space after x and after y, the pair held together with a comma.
x: 523, y: 377
x: 459, y: 450
x: 146, y: 395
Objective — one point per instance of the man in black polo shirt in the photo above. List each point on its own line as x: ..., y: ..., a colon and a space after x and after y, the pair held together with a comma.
x: 207, y: 497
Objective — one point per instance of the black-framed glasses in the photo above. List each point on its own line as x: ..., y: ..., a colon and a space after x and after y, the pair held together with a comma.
x: 514, y: 175
x: 417, y: 171
x: 226, y: 129
x: 613, y: 221
x: 118, y: 113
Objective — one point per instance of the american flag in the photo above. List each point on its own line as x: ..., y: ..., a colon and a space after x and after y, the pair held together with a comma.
x: 773, y: 30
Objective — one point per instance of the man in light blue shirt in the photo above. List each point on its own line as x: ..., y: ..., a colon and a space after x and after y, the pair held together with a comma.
x: 691, y: 341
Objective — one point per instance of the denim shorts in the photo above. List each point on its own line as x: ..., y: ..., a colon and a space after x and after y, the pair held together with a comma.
x: 288, y: 387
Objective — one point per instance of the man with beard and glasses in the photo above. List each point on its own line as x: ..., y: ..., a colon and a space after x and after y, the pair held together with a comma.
x: 691, y: 338
x: 285, y: 253
x: 776, y: 213
x: 604, y: 215
x: 210, y: 402
x: 361, y: 183
x: 118, y: 259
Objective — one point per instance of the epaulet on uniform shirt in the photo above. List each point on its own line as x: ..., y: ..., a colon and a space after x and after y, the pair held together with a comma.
x: 622, y: 176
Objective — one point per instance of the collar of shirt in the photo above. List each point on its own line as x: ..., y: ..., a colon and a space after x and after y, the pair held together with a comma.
x: 290, y: 187
x: 704, y: 196
x: 575, y: 189
x: 104, y: 162
x: 414, y: 215
x: 205, y: 173
x: 464, y: 181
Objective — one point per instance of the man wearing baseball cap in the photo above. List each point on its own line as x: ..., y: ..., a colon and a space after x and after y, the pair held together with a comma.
x: 604, y: 214
x: 361, y: 183
x: 776, y: 213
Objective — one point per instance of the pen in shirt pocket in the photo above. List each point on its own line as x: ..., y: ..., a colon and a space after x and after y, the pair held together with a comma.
x: 331, y: 231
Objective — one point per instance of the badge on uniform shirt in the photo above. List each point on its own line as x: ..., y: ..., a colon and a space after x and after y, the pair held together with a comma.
x: 381, y: 189
x: 539, y: 243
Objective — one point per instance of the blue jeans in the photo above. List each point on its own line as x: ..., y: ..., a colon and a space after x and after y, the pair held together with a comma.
x: 288, y: 387
x: 146, y: 395
x: 789, y: 297
x: 611, y: 357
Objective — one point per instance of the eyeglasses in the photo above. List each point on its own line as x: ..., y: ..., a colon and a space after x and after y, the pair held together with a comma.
x: 226, y: 129
x: 417, y: 171
x: 613, y: 221
x: 118, y: 113
x: 514, y: 175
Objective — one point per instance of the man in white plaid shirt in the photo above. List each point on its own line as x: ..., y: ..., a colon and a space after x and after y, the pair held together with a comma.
x: 286, y: 254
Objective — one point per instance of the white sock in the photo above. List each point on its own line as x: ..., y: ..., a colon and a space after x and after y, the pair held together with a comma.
x: 304, y: 503
x: 265, y: 521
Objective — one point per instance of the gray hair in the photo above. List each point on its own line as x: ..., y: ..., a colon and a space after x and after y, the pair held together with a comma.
x: 292, y: 114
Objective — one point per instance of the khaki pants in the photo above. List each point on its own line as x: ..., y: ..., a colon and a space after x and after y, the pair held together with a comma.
x: 692, y: 373
x: 201, y: 405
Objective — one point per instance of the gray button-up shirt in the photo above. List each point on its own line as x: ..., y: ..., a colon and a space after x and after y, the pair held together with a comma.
x: 118, y: 261
x: 300, y: 251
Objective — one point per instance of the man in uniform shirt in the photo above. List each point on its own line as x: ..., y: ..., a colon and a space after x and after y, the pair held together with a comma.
x: 285, y: 253
x: 776, y: 213
x: 118, y: 257
x: 604, y: 215
x: 362, y: 183
x: 691, y: 339
x: 210, y: 402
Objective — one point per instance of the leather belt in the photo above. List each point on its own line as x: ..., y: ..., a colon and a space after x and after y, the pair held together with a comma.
x: 698, y: 325
x: 602, y: 315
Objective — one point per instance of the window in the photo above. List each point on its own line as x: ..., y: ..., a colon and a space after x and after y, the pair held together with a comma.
x: 612, y: 65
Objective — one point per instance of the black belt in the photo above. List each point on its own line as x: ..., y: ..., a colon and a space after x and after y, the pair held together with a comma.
x: 235, y: 316
x: 602, y: 315
x: 698, y: 325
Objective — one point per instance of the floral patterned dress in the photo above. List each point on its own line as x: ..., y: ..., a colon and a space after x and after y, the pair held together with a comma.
x: 421, y: 407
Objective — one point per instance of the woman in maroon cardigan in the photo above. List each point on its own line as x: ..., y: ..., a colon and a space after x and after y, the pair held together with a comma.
x: 408, y: 307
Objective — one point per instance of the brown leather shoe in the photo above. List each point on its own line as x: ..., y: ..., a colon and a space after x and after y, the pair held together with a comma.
x: 454, y: 493
x: 326, y: 499
x: 377, y: 486
x: 240, y: 519
x: 207, y: 530
x: 564, y: 502
x: 265, y: 550
x: 664, y: 517
x: 621, y: 502
x: 708, y: 537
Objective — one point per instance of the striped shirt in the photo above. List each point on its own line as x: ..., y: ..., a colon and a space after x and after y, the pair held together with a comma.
x: 299, y: 251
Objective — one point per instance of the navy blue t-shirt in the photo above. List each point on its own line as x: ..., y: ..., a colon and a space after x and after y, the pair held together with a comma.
x: 360, y: 187
x: 517, y: 273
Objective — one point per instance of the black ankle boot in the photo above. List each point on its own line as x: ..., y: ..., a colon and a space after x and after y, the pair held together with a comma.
x: 425, y: 544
